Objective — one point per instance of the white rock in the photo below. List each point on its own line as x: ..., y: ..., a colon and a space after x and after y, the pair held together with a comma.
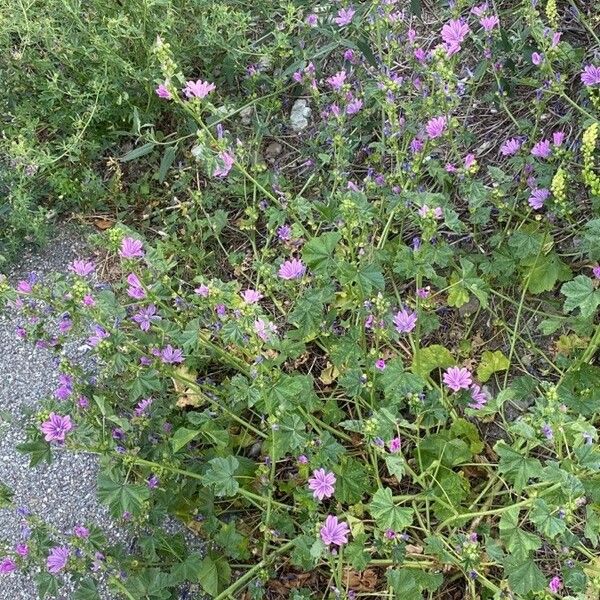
x: 300, y: 114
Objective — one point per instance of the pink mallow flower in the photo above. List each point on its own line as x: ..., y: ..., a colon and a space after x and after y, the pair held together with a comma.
x: 458, y: 378
x: 292, y: 269
x: 590, y: 75
x: 596, y: 271
x: 555, y: 585
x: 478, y: 397
x: 334, y: 532
x: 489, y: 23
x: 510, y: 147
x: 163, y: 92
x: 337, y: 81
x: 344, y: 16
x: 56, y: 427
x: 435, y: 127
x: 405, y: 321
x: 170, y: 355
x: 225, y: 161
x: 538, y: 197
x: 7, y: 565
x: 542, y: 149
x: 251, y: 296
x: 135, y: 289
x: 322, y: 484
x: 57, y: 559
x: 198, y: 89
x: 131, y: 248
x: 395, y: 445
x: 82, y: 268
x: 454, y: 33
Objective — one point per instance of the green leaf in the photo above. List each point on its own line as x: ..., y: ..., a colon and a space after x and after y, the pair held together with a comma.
x: 491, y: 362
x: 47, y: 585
x: 543, y: 271
x: 517, y: 541
x: 208, y: 576
x: 524, y: 576
x: 408, y: 584
x: 353, y: 481
x: 220, y: 476
x: 430, y: 358
x: 396, y: 465
x: 545, y: 522
x: 87, y: 590
x: 166, y: 162
x: 188, y: 569
x: 38, y: 451
x: 318, y: 252
x: 356, y: 554
x: 182, y: 437
x: 388, y: 515
x: 581, y: 294
x: 518, y: 468
x: 397, y: 382
x: 122, y: 497
x: 138, y: 152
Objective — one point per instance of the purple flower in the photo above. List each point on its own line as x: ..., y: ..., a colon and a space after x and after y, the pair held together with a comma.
x: 542, y: 149
x: 596, y: 271
x: 395, y: 445
x: 558, y: 137
x: 251, y: 296
x: 292, y: 269
x: 264, y: 330
x: 131, y: 248
x: 334, y: 532
x: 7, y: 565
x: 83, y: 402
x: 225, y: 162
x: 312, y: 20
x: 24, y: 287
x: 163, y: 92
x: 198, y: 89
x: 88, y: 300
x: 170, y: 355
x: 81, y: 532
x: 547, y: 431
x: 97, y: 336
x: 145, y: 316
x: 380, y: 364
x: 202, y: 291
x: 435, y: 127
x: 536, y: 59
x: 322, y: 484
x: 302, y: 460
x: 22, y: 549
x: 453, y: 34
x: 488, y: 23
x: 57, y: 559
x: 142, y: 406
x: 555, y: 585
x: 153, y: 482
x: 405, y: 321
x: 556, y: 39
x: 354, y: 106
x: 478, y: 397
x: 337, y: 81
x: 82, y: 268
x: 510, y: 147
x: 590, y: 75
x: 135, y: 289
x: 457, y: 378
x: 284, y: 233
x: 538, y: 197
x: 344, y: 16
x: 56, y: 427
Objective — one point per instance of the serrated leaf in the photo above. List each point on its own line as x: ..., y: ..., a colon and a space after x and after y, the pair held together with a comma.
x: 491, y: 362
x: 208, y: 576
x: 220, y: 476
x: 518, y: 468
x: 87, y: 590
x: 517, y: 541
x: 580, y: 293
x: 545, y: 521
x: 387, y: 514
x: 432, y: 357
x: 122, y: 497
x: 524, y: 576
x: 318, y: 252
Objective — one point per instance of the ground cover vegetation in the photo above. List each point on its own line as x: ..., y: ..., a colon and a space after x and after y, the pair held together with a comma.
x: 342, y: 316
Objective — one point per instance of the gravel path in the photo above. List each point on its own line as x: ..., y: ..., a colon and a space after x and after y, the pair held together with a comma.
x: 63, y: 493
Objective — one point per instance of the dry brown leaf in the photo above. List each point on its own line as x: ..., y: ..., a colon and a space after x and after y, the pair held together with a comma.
x: 102, y: 224
x: 365, y: 581
x: 186, y: 396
